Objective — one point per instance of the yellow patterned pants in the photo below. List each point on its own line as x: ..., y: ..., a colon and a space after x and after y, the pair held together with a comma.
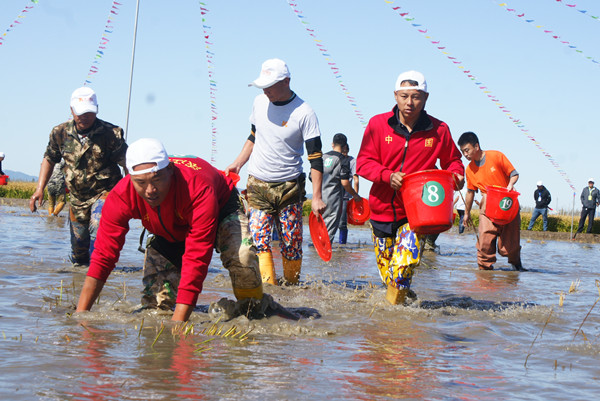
x: 397, y: 257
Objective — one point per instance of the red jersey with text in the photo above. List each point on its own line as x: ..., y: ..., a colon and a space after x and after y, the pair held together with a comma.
x: 384, y: 151
x: 189, y: 213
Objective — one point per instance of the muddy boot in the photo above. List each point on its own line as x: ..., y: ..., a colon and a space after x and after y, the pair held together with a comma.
x: 59, y: 207
x: 395, y: 296
x: 519, y: 267
x: 252, y: 308
x: 224, y: 309
x: 267, y: 270
x: 343, y: 236
x: 291, y: 270
x: 242, y: 293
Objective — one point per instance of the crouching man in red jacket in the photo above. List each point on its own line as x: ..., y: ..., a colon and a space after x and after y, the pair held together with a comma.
x: 189, y: 207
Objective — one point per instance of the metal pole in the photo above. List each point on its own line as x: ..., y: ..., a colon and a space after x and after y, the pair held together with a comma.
x: 137, y: 10
x: 573, y: 214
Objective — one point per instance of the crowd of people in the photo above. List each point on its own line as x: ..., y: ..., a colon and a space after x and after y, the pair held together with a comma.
x: 190, y: 208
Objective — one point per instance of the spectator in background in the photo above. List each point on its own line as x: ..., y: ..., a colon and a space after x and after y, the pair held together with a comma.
x: 542, y: 200
x: 590, y: 198
x: 459, y: 205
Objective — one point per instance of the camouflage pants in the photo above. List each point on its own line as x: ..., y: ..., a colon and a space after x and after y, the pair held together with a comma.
x: 238, y: 255
x: 84, y: 227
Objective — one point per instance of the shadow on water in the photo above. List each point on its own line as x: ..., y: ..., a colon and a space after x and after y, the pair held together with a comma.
x: 469, y: 303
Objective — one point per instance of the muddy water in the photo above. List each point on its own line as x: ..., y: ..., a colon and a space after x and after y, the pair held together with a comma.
x: 471, y: 335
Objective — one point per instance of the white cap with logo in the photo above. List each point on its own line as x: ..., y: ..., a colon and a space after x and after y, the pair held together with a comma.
x: 412, y: 76
x: 146, y: 150
x: 83, y: 100
x: 272, y: 71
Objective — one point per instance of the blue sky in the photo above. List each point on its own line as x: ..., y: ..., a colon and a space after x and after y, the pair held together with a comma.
x: 551, y: 88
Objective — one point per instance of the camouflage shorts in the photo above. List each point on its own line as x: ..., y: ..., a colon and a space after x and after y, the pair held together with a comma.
x: 272, y: 197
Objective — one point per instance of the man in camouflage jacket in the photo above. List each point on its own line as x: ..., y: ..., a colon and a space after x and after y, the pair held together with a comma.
x: 92, y: 150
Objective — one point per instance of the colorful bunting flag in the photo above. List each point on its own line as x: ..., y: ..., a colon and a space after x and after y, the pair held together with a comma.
x: 332, y: 64
x: 212, y: 83
x: 549, y: 32
x: 485, y: 90
x: 574, y: 7
x: 16, y: 20
x: 108, y: 30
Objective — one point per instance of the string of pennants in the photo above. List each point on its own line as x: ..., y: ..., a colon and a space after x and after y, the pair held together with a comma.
x: 333, y: 66
x: 207, y: 32
x: 471, y: 76
x: 521, y: 16
x: 108, y: 30
x: 18, y: 19
x: 574, y: 7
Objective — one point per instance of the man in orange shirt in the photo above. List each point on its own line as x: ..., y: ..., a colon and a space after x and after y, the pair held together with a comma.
x: 487, y: 168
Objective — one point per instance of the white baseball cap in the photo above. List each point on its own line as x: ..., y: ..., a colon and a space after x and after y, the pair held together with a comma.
x: 539, y: 184
x: 591, y: 180
x: 83, y: 100
x: 2, y: 154
x: 412, y: 76
x: 146, y: 150
x: 272, y: 71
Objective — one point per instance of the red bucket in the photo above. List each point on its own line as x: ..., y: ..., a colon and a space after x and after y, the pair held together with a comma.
x: 501, y: 205
x: 428, y: 198
x: 358, y: 212
x: 3, y: 179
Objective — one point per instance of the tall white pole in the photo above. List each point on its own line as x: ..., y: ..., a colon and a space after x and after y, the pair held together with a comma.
x: 137, y: 10
x: 573, y: 214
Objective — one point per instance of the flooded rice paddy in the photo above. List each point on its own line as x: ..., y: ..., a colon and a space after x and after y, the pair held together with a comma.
x: 471, y: 335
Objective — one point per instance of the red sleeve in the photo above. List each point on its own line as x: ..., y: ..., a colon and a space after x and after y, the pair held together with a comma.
x: 199, y: 244
x: 114, y: 225
x: 368, y: 161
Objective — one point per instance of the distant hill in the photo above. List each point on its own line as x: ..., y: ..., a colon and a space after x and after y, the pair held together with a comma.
x: 18, y: 176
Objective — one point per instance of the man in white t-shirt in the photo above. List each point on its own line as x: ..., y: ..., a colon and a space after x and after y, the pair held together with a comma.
x: 281, y: 125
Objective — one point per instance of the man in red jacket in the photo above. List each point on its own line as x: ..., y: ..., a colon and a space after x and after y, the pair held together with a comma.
x: 402, y: 141
x: 190, y: 207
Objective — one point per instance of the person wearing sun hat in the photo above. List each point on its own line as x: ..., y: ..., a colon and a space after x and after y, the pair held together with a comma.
x: 281, y: 125
x: 93, y: 150
x: 542, y: 199
x: 402, y: 141
x: 590, y: 199
x: 190, y: 208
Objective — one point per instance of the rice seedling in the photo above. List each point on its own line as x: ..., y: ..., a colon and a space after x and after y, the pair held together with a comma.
x: 574, y: 286
x: 538, y: 335
x: 561, y: 299
x: 584, y: 319
x: 162, y: 327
